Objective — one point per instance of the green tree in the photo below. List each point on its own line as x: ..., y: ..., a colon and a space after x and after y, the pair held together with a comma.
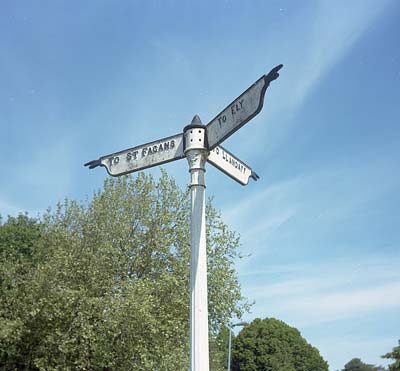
x: 395, y: 355
x: 271, y: 345
x: 108, y: 287
x: 17, y: 239
x: 357, y: 365
x: 219, y: 349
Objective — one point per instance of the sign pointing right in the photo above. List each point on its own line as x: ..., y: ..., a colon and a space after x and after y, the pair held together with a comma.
x: 240, y: 111
x: 231, y: 165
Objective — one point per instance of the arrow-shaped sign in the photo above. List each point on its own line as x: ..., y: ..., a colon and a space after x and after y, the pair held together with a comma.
x: 141, y: 157
x: 240, y: 111
x: 232, y: 118
x: 231, y: 165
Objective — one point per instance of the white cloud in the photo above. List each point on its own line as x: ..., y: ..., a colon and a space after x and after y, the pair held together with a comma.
x: 336, y: 28
x: 317, y: 202
x: 315, y: 50
x: 8, y: 208
x: 332, y: 291
x: 261, y: 201
x: 327, y: 307
x: 343, y: 349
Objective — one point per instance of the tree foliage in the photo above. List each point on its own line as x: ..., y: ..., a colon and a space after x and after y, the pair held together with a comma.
x: 357, y: 365
x: 271, y: 345
x: 104, y: 284
x: 219, y: 349
x: 395, y: 355
x: 18, y: 237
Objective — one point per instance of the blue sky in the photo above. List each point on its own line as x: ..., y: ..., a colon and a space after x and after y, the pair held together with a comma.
x: 321, y: 226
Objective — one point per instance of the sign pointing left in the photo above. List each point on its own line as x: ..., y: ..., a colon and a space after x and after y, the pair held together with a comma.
x: 141, y: 157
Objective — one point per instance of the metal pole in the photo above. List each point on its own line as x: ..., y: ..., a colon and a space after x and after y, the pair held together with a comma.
x: 196, y: 154
x: 229, y: 348
x: 230, y: 341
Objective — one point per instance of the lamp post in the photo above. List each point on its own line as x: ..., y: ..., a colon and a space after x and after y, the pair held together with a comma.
x: 230, y: 341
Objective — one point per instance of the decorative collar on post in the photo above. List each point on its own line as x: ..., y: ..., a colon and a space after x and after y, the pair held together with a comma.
x: 195, y: 149
x: 195, y: 135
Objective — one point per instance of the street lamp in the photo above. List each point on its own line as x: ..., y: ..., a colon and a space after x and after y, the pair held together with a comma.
x: 230, y: 341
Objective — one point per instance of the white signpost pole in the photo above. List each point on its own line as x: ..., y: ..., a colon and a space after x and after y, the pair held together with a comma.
x: 198, y: 143
x: 196, y: 154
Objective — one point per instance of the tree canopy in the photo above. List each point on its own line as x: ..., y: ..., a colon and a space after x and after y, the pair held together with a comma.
x: 357, y: 365
x: 104, y: 284
x: 271, y: 345
x: 395, y: 355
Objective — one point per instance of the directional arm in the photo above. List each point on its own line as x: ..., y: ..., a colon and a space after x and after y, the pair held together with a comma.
x: 92, y: 164
x: 273, y: 74
x: 141, y: 157
x: 254, y: 175
x: 229, y: 164
x: 240, y: 111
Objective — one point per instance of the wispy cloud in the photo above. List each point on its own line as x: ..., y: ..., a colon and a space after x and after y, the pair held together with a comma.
x: 312, y: 204
x: 332, y: 291
x: 42, y: 176
x: 335, y: 31
x: 8, y: 208
x: 344, y: 348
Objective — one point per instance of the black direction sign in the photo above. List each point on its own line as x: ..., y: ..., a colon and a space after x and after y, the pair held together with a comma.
x: 141, y: 157
x: 240, y: 111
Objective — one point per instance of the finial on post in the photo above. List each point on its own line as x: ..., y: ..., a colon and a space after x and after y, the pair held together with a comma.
x: 196, y: 123
x: 196, y: 120
x: 195, y: 135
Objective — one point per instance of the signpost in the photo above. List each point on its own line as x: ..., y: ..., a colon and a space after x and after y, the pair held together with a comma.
x: 198, y: 144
